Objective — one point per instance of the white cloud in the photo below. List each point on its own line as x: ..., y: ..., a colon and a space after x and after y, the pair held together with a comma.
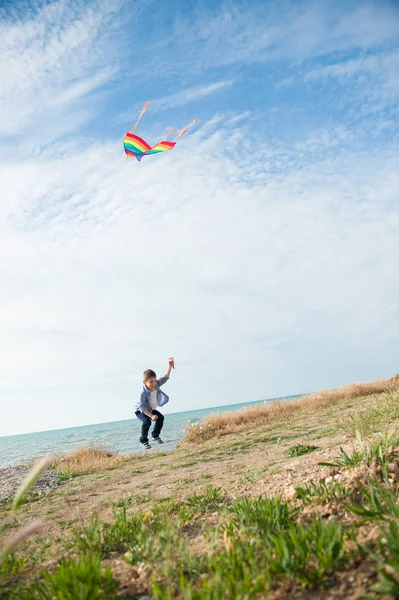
x: 191, y: 94
x: 372, y: 80
x: 51, y: 59
x: 386, y: 63
x: 233, y: 35
x: 108, y: 265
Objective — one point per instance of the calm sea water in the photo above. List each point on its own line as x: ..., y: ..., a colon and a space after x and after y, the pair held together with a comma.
x: 120, y: 435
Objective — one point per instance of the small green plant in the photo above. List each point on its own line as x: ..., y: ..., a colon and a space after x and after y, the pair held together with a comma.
x: 11, y: 564
x: 64, y: 475
x: 74, y: 580
x: 124, y: 502
x: 208, y: 501
x: 104, y: 538
x: 300, y: 450
x: 306, y: 553
x: 378, y: 502
x: 261, y: 515
x: 166, y: 506
x: 142, y: 498
x: 382, y: 452
x: 388, y: 561
x: 345, y: 461
x: 322, y: 492
x: 15, y: 563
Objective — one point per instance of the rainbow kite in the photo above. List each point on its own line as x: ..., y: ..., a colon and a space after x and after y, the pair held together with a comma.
x: 135, y: 146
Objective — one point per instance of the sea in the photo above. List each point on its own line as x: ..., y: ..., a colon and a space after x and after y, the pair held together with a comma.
x: 121, y: 436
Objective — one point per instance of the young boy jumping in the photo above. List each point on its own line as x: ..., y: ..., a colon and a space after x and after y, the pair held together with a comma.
x: 151, y: 397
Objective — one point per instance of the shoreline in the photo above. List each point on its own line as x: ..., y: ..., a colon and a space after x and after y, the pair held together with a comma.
x: 119, y: 436
x: 219, y: 408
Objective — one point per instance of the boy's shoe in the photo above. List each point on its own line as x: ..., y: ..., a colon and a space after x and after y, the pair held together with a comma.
x: 157, y: 440
x: 146, y: 446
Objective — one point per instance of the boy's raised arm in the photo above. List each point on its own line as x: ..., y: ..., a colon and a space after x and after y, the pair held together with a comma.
x: 165, y: 378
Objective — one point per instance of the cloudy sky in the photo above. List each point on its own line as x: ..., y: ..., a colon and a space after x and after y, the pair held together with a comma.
x: 262, y: 252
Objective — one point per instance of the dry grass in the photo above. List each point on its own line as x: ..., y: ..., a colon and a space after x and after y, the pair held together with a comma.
x: 87, y: 459
x: 377, y: 418
x: 220, y: 424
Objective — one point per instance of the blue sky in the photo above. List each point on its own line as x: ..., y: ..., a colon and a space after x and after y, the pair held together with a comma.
x: 262, y: 252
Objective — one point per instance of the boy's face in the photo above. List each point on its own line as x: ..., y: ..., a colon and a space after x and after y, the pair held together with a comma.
x: 151, y: 383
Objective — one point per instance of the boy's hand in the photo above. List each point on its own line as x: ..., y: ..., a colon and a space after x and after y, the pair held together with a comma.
x: 154, y: 417
x: 171, y: 365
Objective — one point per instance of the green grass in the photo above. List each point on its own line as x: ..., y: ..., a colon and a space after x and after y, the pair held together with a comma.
x: 383, y: 452
x: 74, y: 580
x: 104, y: 538
x: 378, y: 501
x: 141, y: 498
x: 9, y: 525
x: 300, y: 450
x: 321, y: 492
x: 279, y: 547
x: 12, y: 563
x: 64, y: 475
x: 210, y: 500
x: 125, y: 502
x: 256, y: 542
x: 345, y: 460
x: 66, y: 523
x: 260, y: 515
x: 373, y: 455
x: 307, y: 553
x: 262, y: 545
x: 388, y: 561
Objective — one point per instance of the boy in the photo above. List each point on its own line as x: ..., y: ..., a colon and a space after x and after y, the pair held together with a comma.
x: 152, y: 397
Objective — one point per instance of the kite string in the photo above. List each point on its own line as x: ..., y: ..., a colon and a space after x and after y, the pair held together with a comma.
x: 146, y: 105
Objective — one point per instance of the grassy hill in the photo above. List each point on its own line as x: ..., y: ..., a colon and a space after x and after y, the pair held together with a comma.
x: 295, y: 499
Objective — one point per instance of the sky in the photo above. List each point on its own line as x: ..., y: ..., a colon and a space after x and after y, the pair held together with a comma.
x: 261, y: 252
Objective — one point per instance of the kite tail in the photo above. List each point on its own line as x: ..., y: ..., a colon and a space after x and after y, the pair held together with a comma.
x: 169, y: 132
x: 146, y: 105
x: 185, y: 129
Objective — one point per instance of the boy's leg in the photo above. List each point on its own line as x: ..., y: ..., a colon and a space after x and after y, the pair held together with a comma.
x: 158, y: 424
x: 145, y: 426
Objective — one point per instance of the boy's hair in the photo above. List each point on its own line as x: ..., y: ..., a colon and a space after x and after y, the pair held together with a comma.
x: 149, y: 374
